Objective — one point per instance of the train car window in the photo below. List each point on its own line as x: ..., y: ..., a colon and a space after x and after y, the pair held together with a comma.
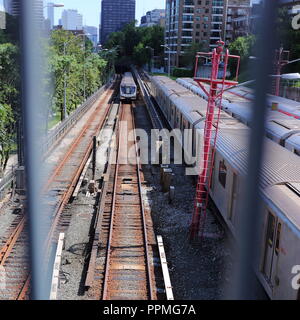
x: 278, y: 238
x: 222, y: 173
x: 270, y: 230
x: 193, y: 142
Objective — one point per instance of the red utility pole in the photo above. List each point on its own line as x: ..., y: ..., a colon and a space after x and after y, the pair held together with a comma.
x: 215, y: 93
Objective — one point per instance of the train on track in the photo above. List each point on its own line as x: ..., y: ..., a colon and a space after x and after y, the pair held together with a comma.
x: 282, y: 125
x: 279, y: 184
x: 128, y: 88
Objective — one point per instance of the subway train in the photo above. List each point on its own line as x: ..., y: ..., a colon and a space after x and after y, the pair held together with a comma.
x: 282, y: 125
x: 279, y: 185
x: 128, y: 88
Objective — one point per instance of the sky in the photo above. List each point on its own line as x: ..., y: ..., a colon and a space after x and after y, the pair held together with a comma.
x: 91, y: 9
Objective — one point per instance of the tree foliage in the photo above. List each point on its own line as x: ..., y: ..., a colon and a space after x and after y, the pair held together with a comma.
x: 68, y: 58
x: 134, y: 43
x: 189, y: 57
x: 9, y: 99
x: 289, y: 39
x: 243, y: 47
x: 72, y: 60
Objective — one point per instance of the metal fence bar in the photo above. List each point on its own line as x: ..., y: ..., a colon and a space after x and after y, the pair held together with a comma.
x: 5, y: 182
x: 58, y: 132
x: 69, y: 122
x: 33, y: 97
x: 249, y: 249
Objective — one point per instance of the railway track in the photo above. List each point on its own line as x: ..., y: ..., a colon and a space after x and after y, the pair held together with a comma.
x: 128, y: 273
x: 121, y: 267
x: 59, y: 188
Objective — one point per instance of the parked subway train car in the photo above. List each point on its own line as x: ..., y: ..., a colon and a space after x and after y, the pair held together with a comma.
x: 279, y: 185
x: 184, y: 110
x: 282, y: 127
x: 128, y: 88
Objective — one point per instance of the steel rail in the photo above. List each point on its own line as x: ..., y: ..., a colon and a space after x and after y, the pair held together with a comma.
x: 53, y: 138
x: 154, y: 116
x: 72, y: 147
x: 150, y: 288
x: 107, y: 263
x: 8, y: 246
x: 10, y: 243
x: 105, y: 291
x: 66, y: 196
x: 100, y: 210
x: 77, y: 173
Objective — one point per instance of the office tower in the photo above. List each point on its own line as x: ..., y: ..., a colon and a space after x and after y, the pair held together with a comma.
x: 154, y: 17
x: 193, y: 21
x: 238, y: 21
x: 50, y: 14
x: 114, y: 15
x: 92, y: 34
x: 71, y: 20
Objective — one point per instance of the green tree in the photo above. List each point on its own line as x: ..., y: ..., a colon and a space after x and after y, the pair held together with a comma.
x: 189, y: 57
x: 141, y: 55
x: 9, y: 99
x: 7, y: 134
x: 72, y: 60
x: 133, y: 41
x: 289, y: 39
x: 243, y: 47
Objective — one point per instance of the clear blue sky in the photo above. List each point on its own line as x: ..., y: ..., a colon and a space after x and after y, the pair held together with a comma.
x: 91, y: 8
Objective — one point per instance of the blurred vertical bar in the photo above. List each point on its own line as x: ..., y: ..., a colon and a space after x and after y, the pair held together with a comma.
x: 32, y: 104
x: 249, y: 246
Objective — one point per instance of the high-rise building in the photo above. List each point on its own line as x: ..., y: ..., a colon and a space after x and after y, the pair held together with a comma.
x: 289, y: 2
x: 154, y: 17
x: 50, y: 13
x: 114, y: 15
x: 7, y: 6
x: 13, y: 7
x: 193, y: 21
x: 2, y: 17
x: 238, y: 21
x: 71, y: 20
x: 100, y: 28
x: 92, y: 34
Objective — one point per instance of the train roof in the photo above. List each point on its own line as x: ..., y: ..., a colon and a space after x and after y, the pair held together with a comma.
x: 192, y: 107
x: 286, y: 198
x: 280, y: 174
x: 128, y: 79
x: 170, y: 86
x: 280, y: 165
x: 280, y: 169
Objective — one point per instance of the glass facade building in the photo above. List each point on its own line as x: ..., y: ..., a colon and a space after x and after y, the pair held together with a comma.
x: 114, y: 15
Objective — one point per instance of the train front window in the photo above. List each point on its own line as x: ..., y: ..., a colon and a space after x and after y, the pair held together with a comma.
x: 128, y: 90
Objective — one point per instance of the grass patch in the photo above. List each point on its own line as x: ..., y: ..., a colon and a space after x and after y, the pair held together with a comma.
x: 54, y: 121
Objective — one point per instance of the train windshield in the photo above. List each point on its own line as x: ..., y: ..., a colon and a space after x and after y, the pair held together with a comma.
x: 128, y: 89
